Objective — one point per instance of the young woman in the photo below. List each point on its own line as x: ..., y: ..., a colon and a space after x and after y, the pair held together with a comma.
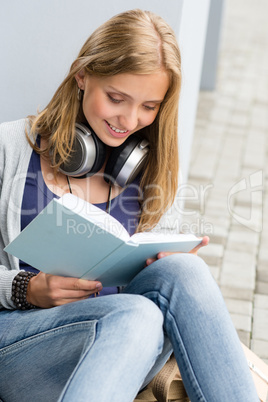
x: 57, y: 342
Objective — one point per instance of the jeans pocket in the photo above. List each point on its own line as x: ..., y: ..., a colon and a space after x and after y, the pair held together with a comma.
x: 37, y: 367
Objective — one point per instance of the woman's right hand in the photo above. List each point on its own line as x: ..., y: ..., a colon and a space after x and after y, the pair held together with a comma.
x: 45, y: 290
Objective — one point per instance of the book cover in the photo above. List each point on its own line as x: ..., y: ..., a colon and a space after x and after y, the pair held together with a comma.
x: 72, y: 237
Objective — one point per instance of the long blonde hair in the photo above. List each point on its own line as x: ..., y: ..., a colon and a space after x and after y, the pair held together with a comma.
x: 136, y: 42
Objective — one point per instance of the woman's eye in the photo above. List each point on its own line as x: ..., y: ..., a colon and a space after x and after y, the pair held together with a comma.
x: 113, y: 99
x: 150, y: 107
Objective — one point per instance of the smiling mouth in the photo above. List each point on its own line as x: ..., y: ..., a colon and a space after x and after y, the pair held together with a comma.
x: 117, y: 129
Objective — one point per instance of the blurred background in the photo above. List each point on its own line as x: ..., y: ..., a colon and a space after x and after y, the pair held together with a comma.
x: 223, y: 123
x: 226, y: 195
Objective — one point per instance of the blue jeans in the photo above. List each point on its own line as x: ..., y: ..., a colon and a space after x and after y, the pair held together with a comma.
x: 105, y: 349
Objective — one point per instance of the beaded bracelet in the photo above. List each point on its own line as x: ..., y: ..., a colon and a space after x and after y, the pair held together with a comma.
x: 19, y: 290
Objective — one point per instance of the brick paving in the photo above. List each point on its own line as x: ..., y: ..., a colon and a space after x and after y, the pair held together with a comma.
x: 227, y: 192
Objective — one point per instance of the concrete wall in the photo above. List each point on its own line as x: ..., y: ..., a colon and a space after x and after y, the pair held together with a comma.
x: 191, y: 37
x: 40, y: 39
x: 212, y: 47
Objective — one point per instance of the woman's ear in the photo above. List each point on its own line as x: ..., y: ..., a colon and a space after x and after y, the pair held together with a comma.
x: 80, y: 79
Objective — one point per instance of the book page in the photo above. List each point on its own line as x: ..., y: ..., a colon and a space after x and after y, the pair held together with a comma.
x: 153, y: 237
x: 94, y: 214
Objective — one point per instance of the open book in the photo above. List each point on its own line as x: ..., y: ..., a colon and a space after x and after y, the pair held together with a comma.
x: 72, y: 237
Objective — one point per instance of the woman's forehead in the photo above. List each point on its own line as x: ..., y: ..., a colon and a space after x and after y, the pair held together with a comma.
x: 152, y: 87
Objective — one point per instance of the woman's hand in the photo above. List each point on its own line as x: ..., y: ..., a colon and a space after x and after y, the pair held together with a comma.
x: 204, y: 242
x: 46, y: 290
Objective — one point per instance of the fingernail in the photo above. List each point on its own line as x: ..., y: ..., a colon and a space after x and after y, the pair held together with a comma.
x: 98, y: 285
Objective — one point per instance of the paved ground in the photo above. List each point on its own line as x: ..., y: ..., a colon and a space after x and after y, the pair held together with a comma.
x: 228, y: 182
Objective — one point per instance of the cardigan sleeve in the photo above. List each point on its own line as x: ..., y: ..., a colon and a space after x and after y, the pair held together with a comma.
x: 14, y: 156
x: 6, y: 278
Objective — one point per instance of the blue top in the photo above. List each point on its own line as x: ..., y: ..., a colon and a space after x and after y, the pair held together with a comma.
x: 125, y: 207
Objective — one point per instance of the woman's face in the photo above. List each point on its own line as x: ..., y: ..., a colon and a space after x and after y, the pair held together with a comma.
x: 118, y: 106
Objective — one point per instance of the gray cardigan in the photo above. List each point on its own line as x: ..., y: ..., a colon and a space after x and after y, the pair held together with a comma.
x: 15, y: 153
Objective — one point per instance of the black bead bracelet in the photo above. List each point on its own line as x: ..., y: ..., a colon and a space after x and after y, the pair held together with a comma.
x: 19, y: 290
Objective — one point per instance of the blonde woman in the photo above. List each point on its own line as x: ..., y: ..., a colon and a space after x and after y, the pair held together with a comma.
x: 58, y: 343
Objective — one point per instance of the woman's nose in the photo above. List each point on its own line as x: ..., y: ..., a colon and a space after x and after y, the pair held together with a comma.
x: 129, y: 119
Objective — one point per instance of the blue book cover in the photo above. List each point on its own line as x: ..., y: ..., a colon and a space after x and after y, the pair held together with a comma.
x: 72, y: 237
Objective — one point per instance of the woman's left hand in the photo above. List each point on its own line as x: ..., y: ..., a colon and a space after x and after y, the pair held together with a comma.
x: 204, y: 242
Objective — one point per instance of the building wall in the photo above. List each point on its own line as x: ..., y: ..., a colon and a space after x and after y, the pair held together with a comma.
x: 40, y: 39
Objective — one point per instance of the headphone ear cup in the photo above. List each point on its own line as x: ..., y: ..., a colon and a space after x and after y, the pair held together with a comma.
x: 88, y: 154
x: 126, y: 161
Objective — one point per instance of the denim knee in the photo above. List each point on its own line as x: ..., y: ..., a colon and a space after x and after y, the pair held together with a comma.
x: 144, y: 319
x: 180, y: 276
x: 178, y: 268
x: 138, y: 323
x: 184, y: 266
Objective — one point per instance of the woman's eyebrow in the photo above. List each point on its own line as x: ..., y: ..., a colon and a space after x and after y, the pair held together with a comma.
x: 128, y: 96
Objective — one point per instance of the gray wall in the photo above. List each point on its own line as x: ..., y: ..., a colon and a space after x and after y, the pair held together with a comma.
x: 212, y: 47
x: 40, y: 39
